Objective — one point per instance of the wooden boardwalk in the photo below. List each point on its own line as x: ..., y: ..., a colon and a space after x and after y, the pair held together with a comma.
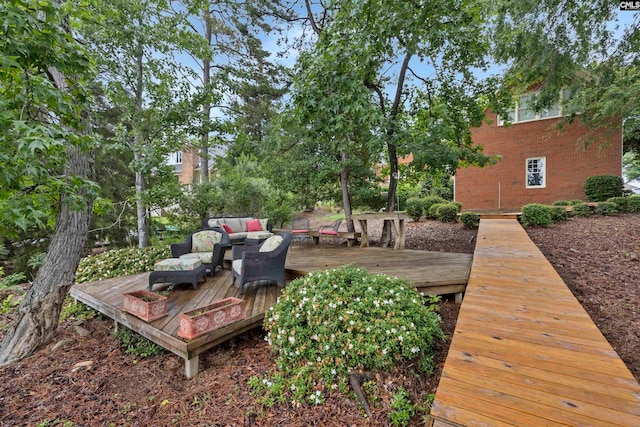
x: 432, y: 272
x: 524, y: 351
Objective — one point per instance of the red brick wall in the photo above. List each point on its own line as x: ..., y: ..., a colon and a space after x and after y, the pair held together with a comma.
x: 190, y: 161
x: 502, y: 187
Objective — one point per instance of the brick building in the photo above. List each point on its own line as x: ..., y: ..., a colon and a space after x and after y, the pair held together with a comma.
x: 538, y: 163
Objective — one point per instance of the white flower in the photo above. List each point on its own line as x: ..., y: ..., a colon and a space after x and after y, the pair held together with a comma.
x: 292, y: 340
x: 333, y: 372
x: 415, y: 349
x: 400, y: 338
x: 293, y: 387
x: 384, y: 351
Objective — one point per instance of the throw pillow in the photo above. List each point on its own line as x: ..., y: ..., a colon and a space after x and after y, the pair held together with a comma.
x: 227, y: 228
x: 253, y: 225
x: 263, y: 224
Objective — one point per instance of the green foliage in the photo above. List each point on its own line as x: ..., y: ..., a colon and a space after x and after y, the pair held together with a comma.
x: 601, y: 187
x: 326, y: 324
x: 558, y: 213
x: 448, y: 212
x: 278, y: 209
x: 581, y: 210
x: 575, y: 202
x: 561, y: 203
x: 606, y: 208
x: 622, y: 203
x: 430, y: 201
x: 10, y: 302
x: 406, y: 191
x: 535, y: 214
x: 415, y: 208
x: 402, y: 408
x: 469, y: 219
x: 12, y: 280
x: 432, y: 212
x: 633, y: 204
x: 370, y: 198
x: 76, y: 310
x: 136, y: 345
x: 119, y: 262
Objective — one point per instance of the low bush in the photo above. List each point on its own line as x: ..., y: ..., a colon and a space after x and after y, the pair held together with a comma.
x: 576, y: 202
x: 622, y: 203
x: 448, y: 212
x: 430, y: 201
x: 433, y: 210
x: 601, y: 187
x: 535, y: 214
x: 633, y: 204
x: 581, y: 210
x: 415, y: 208
x: 120, y: 262
x: 458, y: 205
x: 136, y: 345
x: 561, y: 203
x: 329, y: 323
x: 606, y: 208
x: 469, y: 219
x: 558, y: 213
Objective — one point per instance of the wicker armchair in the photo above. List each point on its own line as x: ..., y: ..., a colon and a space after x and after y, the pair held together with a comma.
x: 263, y: 262
x: 207, y: 245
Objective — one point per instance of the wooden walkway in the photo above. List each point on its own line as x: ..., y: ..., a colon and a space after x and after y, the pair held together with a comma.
x: 524, y: 351
x: 432, y: 272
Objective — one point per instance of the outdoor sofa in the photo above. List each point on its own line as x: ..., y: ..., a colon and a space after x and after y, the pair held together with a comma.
x: 241, y: 228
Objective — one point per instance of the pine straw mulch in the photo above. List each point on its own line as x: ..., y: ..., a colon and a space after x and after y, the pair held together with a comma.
x: 91, y: 381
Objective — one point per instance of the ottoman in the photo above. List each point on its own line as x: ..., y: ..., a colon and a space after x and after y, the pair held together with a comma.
x: 256, y: 237
x: 178, y: 270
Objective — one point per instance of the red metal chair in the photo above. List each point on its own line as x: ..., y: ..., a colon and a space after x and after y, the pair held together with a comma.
x: 330, y: 231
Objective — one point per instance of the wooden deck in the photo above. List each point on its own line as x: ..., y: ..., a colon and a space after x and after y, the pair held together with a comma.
x: 432, y: 272
x: 524, y: 352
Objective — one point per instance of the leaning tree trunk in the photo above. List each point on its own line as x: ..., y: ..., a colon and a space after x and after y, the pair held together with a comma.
x: 203, y: 152
x: 38, y: 313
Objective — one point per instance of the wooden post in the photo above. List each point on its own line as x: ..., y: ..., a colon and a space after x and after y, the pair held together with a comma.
x: 191, y: 366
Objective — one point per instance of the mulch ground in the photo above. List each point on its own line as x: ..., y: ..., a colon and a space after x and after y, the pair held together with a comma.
x: 91, y: 381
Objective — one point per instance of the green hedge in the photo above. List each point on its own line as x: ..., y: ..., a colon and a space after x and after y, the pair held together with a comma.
x: 447, y: 212
x: 558, y: 213
x: 415, y: 208
x: 601, y: 187
x: 633, y: 204
x: 535, y: 214
x: 581, y: 210
x: 622, y: 203
x: 606, y: 208
x: 469, y: 219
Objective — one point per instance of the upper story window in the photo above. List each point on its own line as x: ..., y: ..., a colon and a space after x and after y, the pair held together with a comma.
x: 175, y: 158
x: 524, y: 112
x: 536, y: 176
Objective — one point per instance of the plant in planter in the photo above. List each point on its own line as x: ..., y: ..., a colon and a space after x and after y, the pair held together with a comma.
x: 146, y: 305
x: 204, y: 319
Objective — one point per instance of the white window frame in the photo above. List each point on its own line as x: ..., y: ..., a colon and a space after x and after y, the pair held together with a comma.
x: 175, y: 158
x: 542, y: 170
x: 540, y: 115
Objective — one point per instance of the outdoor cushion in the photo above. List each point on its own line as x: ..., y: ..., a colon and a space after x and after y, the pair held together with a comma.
x: 263, y: 224
x: 204, y: 257
x: 227, y: 229
x: 271, y: 243
x: 259, y: 235
x: 235, y: 224
x: 333, y: 233
x: 253, y: 225
x: 177, y: 264
x: 299, y: 231
x: 237, y: 266
x: 214, y: 223
x: 203, y: 241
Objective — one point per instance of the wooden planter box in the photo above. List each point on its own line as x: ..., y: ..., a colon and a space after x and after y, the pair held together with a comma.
x: 146, y: 305
x: 204, y: 319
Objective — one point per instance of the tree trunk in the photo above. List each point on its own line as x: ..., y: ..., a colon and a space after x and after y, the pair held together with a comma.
x: 206, y: 106
x: 346, y: 198
x: 385, y: 240
x: 39, y: 311
x: 141, y: 211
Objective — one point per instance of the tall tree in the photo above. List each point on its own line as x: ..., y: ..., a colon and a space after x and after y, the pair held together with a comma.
x: 45, y: 153
x: 418, y: 63
x: 135, y: 42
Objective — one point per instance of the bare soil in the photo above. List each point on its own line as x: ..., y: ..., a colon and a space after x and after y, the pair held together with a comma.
x: 89, y: 380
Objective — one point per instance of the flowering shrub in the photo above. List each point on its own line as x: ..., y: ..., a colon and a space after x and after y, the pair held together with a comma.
x: 329, y: 323
x: 119, y: 262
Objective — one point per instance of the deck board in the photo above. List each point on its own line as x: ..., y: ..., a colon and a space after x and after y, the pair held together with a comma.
x: 524, y: 351
x: 432, y: 273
